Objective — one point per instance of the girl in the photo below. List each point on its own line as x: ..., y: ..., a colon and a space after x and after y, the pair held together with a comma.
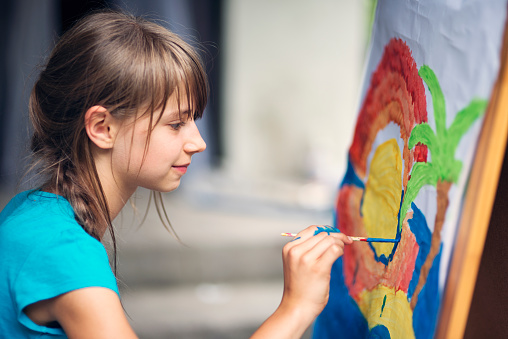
x: 115, y: 109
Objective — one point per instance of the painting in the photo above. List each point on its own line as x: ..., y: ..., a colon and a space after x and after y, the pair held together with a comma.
x: 431, y: 71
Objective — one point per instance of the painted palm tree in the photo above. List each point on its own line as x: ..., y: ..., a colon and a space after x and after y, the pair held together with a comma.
x: 444, y: 169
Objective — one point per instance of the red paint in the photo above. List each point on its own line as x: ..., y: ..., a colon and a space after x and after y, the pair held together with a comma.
x: 395, y: 81
x: 420, y: 152
x: 396, y: 94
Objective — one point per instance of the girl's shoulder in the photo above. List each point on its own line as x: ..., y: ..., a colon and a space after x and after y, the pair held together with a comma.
x: 31, y: 217
x: 39, y: 227
x: 46, y: 254
x: 36, y: 206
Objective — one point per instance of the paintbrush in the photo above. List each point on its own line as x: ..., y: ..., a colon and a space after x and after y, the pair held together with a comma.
x: 352, y: 238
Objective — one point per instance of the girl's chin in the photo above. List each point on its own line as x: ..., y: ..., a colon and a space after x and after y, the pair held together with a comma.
x: 169, y: 187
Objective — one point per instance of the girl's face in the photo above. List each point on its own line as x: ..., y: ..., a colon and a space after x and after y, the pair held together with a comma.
x: 160, y: 164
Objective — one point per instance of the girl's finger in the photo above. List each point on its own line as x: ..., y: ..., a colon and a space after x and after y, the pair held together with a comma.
x: 303, y: 236
x: 311, y: 232
x: 332, y: 253
x: 308, y: 232
x: 304, y: 244
x: 324, y: 246
x: 344, y: 238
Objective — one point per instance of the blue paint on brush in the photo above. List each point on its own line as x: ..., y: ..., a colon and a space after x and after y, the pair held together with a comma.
x: 396, y: 241
x: 330, y: 229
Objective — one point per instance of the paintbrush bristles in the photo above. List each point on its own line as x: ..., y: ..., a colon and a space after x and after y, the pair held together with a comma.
x: 288, y: 234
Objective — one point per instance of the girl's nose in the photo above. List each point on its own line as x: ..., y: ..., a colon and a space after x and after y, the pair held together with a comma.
x: 195, y: 143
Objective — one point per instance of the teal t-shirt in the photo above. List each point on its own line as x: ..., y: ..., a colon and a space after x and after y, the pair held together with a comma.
x: 44, y: 253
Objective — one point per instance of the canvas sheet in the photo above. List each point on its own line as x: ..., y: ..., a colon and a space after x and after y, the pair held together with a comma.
x: 431, y: 69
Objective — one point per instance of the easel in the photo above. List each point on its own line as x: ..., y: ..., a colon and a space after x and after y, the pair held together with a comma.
x: 477, y: 208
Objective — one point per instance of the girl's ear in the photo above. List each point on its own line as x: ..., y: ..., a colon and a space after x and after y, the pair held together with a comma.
x: 101, y: 127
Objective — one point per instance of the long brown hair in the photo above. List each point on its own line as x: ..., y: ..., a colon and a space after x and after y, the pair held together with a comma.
x: 118, y: 61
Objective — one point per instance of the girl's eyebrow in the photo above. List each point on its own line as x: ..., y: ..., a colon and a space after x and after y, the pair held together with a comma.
x: 176, y: 114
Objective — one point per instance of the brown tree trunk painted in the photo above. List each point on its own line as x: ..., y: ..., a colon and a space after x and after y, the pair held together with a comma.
x: 443, y: 187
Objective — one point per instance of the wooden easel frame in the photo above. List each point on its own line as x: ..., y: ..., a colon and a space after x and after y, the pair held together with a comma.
x: 477, y: 208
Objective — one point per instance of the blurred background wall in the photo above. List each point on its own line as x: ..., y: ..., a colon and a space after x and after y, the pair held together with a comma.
x: 285, y: 77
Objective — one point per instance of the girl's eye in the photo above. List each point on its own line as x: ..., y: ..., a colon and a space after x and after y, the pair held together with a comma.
x: 176, y: 126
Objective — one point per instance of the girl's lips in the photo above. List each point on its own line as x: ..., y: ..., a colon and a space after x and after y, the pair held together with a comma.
x: 182, y: 169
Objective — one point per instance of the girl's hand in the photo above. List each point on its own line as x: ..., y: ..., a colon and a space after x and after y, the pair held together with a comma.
x: 308, y: 261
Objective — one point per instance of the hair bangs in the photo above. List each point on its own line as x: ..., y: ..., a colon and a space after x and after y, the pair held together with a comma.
x: 178, y: 71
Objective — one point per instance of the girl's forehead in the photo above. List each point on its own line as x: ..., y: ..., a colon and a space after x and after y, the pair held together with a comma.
x: 179, y: 101
x: 178, y: 106
x: 179, y: 96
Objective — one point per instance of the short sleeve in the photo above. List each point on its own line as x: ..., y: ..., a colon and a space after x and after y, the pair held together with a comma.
x: 68, y: 261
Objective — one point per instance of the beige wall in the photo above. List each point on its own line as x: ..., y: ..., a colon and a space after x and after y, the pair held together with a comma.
x: 293, y: 72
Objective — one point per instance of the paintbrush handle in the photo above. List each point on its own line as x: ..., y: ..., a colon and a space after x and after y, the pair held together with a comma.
x: 352, y: 238
x: 358, y: 238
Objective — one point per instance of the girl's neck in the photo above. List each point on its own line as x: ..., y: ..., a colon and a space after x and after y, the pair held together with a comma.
x: 114, y: 200
x: 116, y: 197
x: 116, y: 191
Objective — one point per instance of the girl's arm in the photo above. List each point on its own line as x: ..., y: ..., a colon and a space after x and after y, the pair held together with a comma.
x: 308, y: 261
x: 92, y: 312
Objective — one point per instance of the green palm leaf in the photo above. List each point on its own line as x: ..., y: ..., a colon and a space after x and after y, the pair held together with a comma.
x: 424, y: 134
x: 442, y: 144
x: 463, y: 121
x: 422, y: 174
x: 438, y: 101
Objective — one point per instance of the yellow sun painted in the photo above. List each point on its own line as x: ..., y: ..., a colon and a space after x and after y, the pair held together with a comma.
x: 381, y: 201
x: 384, y: 306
